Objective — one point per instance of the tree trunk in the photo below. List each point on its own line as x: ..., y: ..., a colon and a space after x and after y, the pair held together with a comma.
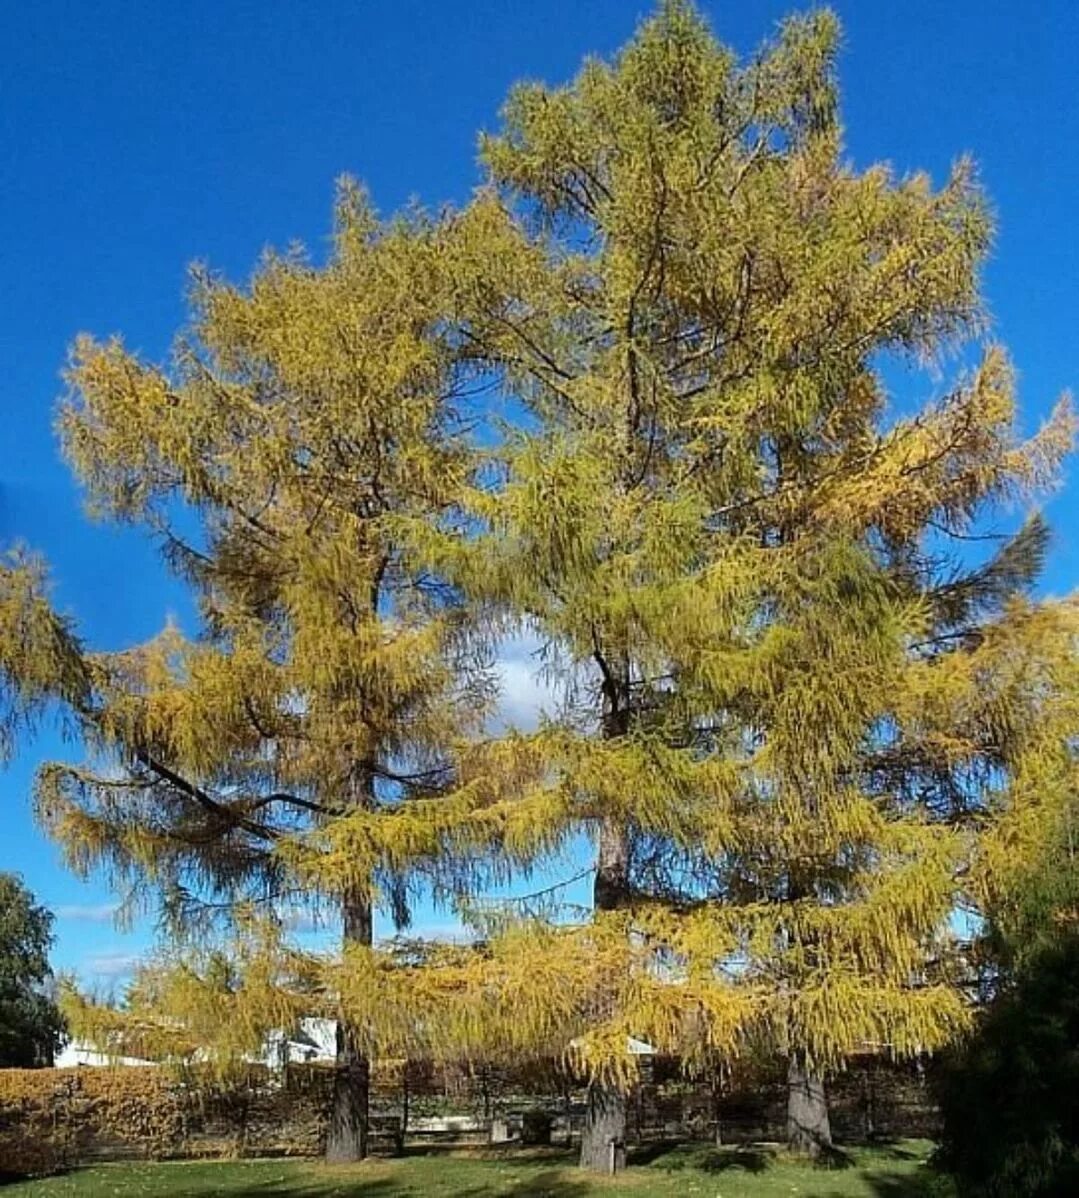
x: 346, y: 1139
x: 603, y: 1136
x: 717, y: 1106
x: 809, y: 1132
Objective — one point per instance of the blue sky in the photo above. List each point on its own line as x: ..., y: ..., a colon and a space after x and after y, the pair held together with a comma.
x: 139, y: 135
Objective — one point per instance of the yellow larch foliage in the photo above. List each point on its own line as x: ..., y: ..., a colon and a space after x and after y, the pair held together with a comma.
x: 804, y: 720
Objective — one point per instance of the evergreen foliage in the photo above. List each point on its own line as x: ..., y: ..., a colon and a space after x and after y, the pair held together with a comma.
x: 1008, y: 1091
x: 30, y: 1023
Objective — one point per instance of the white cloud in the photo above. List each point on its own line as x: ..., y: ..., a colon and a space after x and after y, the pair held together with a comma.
x: 447, y: 931
x: 110, y: 965
x: 307, y: 919
x: 88, y: 912
x: 524, y: 695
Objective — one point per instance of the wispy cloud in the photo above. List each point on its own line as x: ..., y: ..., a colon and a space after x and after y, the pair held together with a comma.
x: 450, y: 932
x: 110, y: 965
x: 88, y: 912
x: 305, y: 919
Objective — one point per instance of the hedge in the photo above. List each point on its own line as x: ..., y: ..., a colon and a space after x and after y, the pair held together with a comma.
x: 56, y: 1118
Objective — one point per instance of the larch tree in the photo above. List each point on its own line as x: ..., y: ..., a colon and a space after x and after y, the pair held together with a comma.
x: 303, y: 424
x: 804, y: 718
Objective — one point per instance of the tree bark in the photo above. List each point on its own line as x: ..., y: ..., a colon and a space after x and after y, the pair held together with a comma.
x: 346, y: 1139
x: 809, y: 1131
x: 717, y: 1106
x: 603, y: 1139
x: 603, y: 1136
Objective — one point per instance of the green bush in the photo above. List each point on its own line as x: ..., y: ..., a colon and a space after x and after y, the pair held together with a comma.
x: 1010, y: 1095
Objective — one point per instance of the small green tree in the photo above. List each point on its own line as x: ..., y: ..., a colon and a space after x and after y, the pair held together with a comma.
x: 30, y: 1023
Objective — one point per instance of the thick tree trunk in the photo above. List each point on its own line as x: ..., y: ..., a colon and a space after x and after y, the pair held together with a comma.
x: 603, y: 1136
x: 809, y: 1132
x: 346, y: 1139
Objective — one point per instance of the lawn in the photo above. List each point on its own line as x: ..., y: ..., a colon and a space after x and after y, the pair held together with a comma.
x: 683, y: 1171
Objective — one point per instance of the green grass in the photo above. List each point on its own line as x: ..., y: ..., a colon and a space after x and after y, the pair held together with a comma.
x: 682, y: 1172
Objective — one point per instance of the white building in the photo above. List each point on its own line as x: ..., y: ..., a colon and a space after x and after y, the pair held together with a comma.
x: 76, y: 1053
x: 314, y: 1040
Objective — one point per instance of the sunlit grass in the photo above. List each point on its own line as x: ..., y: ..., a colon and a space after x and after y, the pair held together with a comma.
x: 886, y: 1172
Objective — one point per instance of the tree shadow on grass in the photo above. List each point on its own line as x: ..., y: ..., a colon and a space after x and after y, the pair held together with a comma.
x: 925, y: 1183
x: 725, y: 1160
x: 360, y: 1187
x: 554, y: 1156
x: 343, y: 1187
x: 656, y: 1150
x: 551, y: 1183
x: 896, y: 1149
x: 833, y: 1158
x: 13, y: 1179
x: 375, y: 1188
x: 671, y: 1156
